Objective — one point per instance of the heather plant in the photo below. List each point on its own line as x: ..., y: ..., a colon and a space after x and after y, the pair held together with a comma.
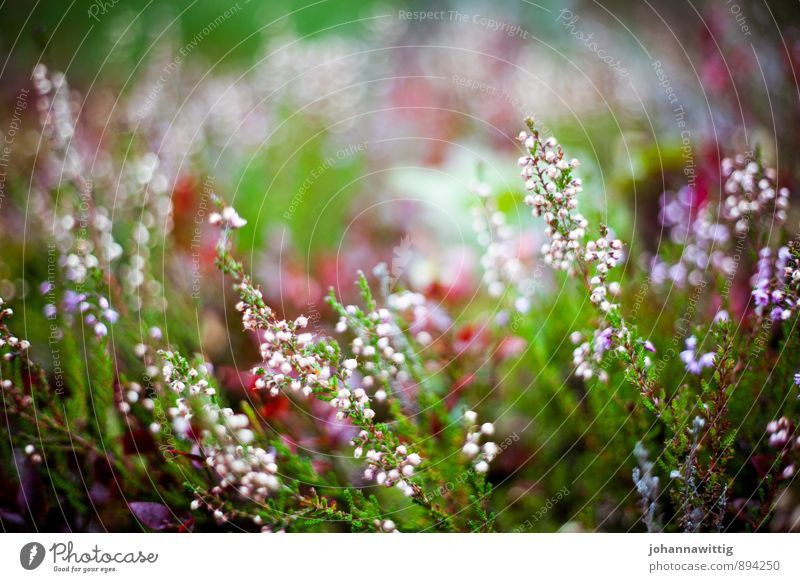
x: 394, y: 408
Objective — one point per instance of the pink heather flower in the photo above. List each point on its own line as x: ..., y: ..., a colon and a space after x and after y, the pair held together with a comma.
x: 695, y: 365
x: 480, y: 455
x: 300, y: 363
x: 553, y: 196
x: 227, y: 218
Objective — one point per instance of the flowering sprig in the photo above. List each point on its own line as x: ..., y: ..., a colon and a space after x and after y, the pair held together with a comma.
x: 753, y: 208
x: 93, y: 308
x: 605, y: 252
x: 553, y: 196
x: 58, y: 124
x: 295, y: 362
x: 12, y: 346
x: 388, y: 356
x: 503, y: 269
x: 226, y: 438
x: 549, y: 177
x: 776, y: 285
x: 694, y: 362
x: 752, y: 194
x: 647, y: 487
x: 480, y: 455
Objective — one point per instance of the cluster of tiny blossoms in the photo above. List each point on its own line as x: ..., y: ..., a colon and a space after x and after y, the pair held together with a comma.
x: 783, y: 437
x: 387, y: 469
x: 694, y: 362
x: 703, y: 238
x: 554, y: 191
x: 646, y: 486
x: 503, y: 270
x: 293, y: 361
x: 606, y: 252
x: 95, y: 309
x: 227, y: 218
x: 553, y: 195
x: 226, y: 437
x: 384, y: 349
x: 14, y: 346
x: 481, y: 455
x: 588, y: 355
x: 775, y: 284
x: 58, y: 125
x: 751, y: 193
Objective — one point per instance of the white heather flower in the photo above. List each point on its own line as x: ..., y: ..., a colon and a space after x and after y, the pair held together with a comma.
x: 229, y: 218
x: 471, y: 449
x: 471, y: 416
x: 490, y: 450
x: 481, y: 467
x: 487, y: 428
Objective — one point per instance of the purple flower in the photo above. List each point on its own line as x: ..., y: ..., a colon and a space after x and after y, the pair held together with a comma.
x: 72, y: 300
x: 603, y: 340
x: 760, y: 296
x: 776, y: 314
x: 648, y: 345
x: 797, y: 378
x: 111, y: 315
x: 688, y: 357
x: 707, y: 359
x: 693, y: 367
x: 50, y: 311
